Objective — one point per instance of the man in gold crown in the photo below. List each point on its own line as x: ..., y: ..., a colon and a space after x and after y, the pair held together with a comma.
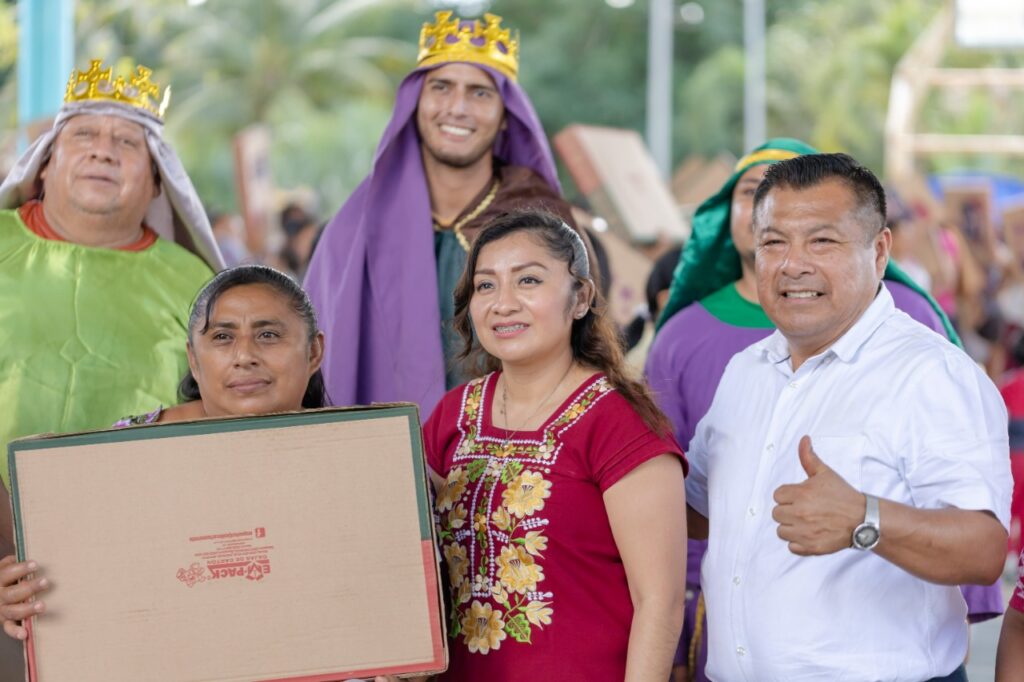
x: 104, y: 243
x: 463, y: 146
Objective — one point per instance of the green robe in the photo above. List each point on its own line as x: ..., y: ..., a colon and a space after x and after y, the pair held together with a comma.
x: 88, y: 334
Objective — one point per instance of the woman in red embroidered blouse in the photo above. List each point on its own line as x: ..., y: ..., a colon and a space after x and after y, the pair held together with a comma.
x: 560, y: 488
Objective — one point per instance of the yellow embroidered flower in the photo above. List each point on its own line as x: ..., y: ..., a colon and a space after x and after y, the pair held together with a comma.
x: 480, y: 522
x: 538, y: 612
x: 500, y: 595
x: 465, y: 591
x: 526, y: 494
x: 458, y: 565
x: 501, y: 519
x: 506, y: 449
x: 473, y: 401
x: 457, y: 517
x: 453, y: 489
x: 535, y: 543
x: 573, y: 412
x: 517, y: 570
x: 483, y: 628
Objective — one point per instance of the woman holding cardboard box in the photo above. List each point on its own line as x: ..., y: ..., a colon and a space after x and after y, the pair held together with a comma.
x: 560, y: 488
x: 253, y: 348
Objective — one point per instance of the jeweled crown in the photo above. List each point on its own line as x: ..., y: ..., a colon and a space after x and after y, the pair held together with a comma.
x: 453, y: 40
x: 138, y: 91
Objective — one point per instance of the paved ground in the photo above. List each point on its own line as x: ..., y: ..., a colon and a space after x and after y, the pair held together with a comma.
x: 981, y: 667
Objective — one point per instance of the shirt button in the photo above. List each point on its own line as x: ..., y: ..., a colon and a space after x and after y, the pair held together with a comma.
x: 792, y: 384
x: 771, y: 446
x: 740, y: 651
x: 751, y: 511
x: 736, y: 580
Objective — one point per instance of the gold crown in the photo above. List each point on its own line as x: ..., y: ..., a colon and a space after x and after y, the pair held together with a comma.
x: 138, y: 91
x: 451, y: 40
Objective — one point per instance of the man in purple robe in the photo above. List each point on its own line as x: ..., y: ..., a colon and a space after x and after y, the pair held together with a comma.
x: 712, y: 314
x: 463, y: 146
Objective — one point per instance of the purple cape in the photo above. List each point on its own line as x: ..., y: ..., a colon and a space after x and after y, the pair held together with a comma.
x: 373, y: 277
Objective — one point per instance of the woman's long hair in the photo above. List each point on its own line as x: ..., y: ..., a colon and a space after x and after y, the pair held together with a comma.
x: 594, y: 339
x: 316, y: 391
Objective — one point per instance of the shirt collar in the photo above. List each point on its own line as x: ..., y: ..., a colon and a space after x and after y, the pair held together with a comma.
x: 775, y: 348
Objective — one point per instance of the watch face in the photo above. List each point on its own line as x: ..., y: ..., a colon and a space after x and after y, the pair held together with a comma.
x: 866, y: 536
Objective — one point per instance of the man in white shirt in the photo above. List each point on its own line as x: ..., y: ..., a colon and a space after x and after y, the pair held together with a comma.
x: 853, y: 466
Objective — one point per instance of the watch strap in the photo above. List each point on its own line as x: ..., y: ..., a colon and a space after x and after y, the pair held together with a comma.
x: 871, y: 513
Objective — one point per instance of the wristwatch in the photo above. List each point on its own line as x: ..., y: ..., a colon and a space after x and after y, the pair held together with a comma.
x: 867, y: 534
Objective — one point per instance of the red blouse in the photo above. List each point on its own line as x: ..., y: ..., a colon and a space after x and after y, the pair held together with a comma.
x: 538, y: 590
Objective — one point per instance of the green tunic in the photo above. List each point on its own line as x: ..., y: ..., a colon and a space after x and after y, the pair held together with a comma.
x: 88, y: 334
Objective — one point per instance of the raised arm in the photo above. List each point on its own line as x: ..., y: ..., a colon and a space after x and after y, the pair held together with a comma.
x: 946, y: 546
x: 647, y: 513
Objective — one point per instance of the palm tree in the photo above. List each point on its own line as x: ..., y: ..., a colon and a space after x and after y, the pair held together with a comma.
x: 235, y: 62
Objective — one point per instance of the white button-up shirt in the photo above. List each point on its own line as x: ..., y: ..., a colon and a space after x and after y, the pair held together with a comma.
x: 898, y: 412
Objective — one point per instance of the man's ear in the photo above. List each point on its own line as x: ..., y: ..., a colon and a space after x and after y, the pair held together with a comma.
x: 883, y: 247
x: 44, y: 168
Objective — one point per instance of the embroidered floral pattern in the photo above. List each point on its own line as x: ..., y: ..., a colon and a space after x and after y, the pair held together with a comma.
x: 454, y: 488
x: 492, y: 527
x: 517, y: 571
x: 526, y: 494
x: 138, y: 419
x: 483, y: 627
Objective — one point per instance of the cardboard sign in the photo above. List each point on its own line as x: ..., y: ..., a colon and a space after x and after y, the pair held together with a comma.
x: 614, y: 171
x: 294, y: 547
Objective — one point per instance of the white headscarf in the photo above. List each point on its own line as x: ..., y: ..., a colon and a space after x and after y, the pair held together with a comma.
x: 176, y: 213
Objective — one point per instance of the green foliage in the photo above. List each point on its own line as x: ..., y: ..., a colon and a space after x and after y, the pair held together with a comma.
x: 322, y: 75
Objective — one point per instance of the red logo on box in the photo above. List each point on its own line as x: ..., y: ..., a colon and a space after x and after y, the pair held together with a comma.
x: 228, y: 555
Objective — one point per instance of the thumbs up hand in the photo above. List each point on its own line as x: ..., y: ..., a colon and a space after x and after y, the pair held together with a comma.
x: 817, y: 516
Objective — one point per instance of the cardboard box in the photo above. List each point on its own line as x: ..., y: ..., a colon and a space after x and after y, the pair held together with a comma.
x: 614, y: 171
x: 630, y: 270
x: 285, y: 547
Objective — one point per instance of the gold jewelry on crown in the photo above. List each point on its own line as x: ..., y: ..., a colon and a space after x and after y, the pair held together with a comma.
x: 96, y: 84
x: 452, y: 40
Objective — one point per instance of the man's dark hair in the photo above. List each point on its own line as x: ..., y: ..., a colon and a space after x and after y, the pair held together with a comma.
x: 811, y: 170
